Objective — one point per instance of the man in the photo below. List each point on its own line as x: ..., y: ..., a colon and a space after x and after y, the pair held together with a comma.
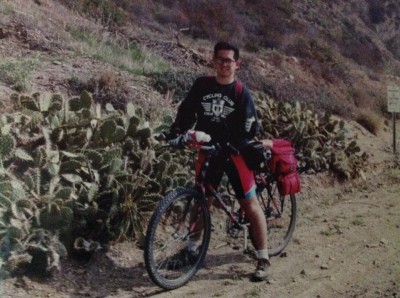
x: 214, y: 107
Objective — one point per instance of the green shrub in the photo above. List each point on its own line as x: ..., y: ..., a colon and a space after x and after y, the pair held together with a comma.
x: 17, y: 72
x: 178, y: 81
x: 118, y: 52
x: 108, y: 12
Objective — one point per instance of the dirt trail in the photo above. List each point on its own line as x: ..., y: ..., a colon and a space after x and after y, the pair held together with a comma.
x: 345, y: 245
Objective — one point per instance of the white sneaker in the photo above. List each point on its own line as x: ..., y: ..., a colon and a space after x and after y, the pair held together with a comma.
x: 262, y: 270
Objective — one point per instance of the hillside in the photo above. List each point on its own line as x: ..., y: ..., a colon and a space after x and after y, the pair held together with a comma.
x: 333, y: 55
x: 337, y: 56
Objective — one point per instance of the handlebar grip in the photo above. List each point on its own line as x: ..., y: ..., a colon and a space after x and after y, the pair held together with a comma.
x: 180, y: 141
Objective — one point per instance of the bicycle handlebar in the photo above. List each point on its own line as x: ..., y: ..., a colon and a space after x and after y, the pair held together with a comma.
x: 191, y: 138
x: 195, y: 145
x: 200, y: 140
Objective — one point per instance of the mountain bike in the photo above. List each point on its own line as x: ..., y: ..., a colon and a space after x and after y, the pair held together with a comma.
x: 178, y: 216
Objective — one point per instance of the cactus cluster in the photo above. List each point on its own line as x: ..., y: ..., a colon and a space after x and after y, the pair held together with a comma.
x: 78, y: 174
x: 320, y: 140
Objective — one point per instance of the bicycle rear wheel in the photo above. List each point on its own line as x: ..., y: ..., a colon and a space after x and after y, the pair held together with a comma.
x: 280, y: 212
x: 180, y: 217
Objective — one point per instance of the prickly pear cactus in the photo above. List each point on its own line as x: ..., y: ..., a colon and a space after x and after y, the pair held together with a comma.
x: 72, y: 171
x: 319, y: 139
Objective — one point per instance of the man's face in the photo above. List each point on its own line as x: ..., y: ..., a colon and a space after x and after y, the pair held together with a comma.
x: 225, y: 64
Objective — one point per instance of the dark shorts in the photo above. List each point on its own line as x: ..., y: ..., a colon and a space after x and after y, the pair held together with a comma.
x: 239, y: 175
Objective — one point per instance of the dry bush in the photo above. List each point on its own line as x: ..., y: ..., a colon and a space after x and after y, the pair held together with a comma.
x: 359, y: 97
x: 369, y: 97
x: 222, y: 21
x: 312, y: 45
x: 76, y: 84
x: 321, y: 70
x: 369, y: 120
x: 320, y: 58
x: 112, y: 87
x: 175, y: 83
x: 110, y: 13
x: 276, y: 58
x: 109, y: 87
x: 107, y: 81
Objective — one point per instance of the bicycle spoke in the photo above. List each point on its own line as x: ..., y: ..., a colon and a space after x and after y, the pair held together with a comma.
x: 180, y: 218
x: 280, y: 212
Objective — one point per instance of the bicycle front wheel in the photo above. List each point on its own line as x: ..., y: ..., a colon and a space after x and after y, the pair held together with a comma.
x: 182, y: 217
x: 280, y: 212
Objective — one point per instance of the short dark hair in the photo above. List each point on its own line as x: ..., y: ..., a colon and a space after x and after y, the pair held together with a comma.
x: 223, y: 45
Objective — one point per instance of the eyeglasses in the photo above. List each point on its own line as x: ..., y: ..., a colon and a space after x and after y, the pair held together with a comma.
x: 221, y: 61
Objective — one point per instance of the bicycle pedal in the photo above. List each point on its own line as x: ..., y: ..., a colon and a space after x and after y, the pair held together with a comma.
x: 250, y: 253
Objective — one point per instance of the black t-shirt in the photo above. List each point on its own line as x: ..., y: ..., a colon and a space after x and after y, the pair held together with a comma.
x: 217, y: 110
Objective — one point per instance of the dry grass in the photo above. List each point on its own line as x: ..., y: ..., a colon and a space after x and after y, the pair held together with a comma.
x: 108, y: 87
x: 114, y: 49
x: 369, y: 120
x: 16, y: 72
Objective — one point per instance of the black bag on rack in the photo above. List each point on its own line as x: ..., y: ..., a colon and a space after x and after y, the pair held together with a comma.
x: 254, y: 155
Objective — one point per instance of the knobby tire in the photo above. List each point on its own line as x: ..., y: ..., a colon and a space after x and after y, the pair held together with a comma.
x: 281, y: 213
x: 168, y: 234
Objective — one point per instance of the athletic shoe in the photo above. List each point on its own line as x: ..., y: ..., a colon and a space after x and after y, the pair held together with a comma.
x: 262, y: 270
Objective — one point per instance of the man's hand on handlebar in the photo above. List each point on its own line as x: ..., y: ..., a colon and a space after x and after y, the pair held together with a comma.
x: 179, y: 141
x: 191, y: 138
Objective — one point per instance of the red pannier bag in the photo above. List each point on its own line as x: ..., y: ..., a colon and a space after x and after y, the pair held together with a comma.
x: 282, y: 160
x: 284, y: 163
x: 289, y: 184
